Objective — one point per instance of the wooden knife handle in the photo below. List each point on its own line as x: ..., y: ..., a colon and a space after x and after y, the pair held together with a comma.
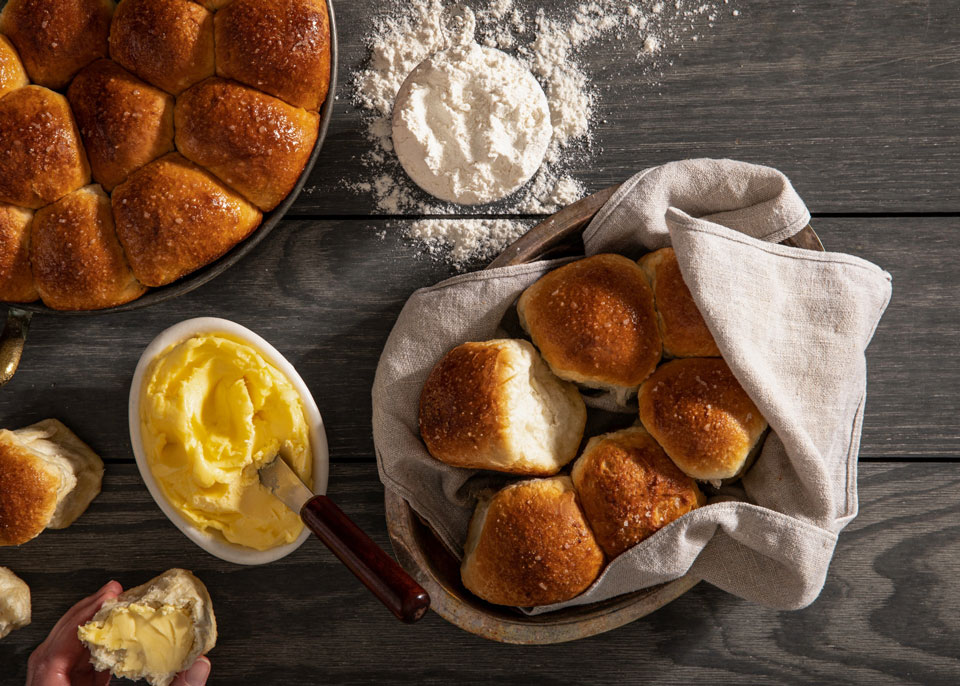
x: 379, y: 572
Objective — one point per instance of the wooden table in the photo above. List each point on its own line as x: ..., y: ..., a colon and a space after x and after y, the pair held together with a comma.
x: 857, y: 102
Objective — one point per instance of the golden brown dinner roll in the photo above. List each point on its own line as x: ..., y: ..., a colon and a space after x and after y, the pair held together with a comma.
x: 174, y: 217
x: 280, y: 47
x: 705, y: 421
x: 530, y: 545
x: 77, y: 261
x: 629, y: 489
x: 12, y: 73
x: 57, y: 38
x: 41, y: 158
x: 123, y: 121
x: 594, y: 323
x: 168, y: 43
x: 682, y: 328
x: 495, y: 405
x: 256, y: 144
x: 48, y: 477
x: 16, y: 279
x: 15, y: 607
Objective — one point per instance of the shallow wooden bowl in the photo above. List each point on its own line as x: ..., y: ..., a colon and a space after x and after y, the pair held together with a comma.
x: 423, y: 555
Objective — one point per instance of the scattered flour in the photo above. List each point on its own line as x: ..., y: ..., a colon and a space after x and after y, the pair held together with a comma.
x: 462, y: 241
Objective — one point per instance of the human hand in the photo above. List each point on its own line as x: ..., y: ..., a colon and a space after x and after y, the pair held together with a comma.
x: 62, y: 660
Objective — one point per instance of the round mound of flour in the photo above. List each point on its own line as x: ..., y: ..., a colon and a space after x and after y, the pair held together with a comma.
x: 471, y: 124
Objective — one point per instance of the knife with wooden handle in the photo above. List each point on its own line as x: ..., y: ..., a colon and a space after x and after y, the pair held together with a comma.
x: 379, y: 572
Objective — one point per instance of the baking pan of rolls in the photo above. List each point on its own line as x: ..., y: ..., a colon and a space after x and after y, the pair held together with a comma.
x: 147, y: 145
x: 586, y: 484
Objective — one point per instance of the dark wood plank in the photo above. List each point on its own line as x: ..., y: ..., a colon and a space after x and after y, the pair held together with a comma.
x: 888, y: 613
x: 326, y: 294
x: 856, y: 102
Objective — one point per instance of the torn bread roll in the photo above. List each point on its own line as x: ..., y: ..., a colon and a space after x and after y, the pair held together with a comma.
x: 682, y: 328
x: 629, y: 489
x: 530, y: 545
x: 48, y: 477
x: 15, y: 609
x: 495, y: 405
x: 594, y: 323
x: 696, y: 409
x: 153, y: 631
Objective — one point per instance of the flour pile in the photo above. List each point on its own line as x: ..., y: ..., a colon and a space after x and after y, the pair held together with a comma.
x: 462, y: 242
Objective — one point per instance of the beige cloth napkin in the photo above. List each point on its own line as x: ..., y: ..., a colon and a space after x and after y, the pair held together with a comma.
x: 792, y: 324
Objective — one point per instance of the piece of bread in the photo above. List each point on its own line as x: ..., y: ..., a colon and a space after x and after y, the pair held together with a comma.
x: 496, y: 405
x: 41, y: 157
x: 57, y: 38
x: 594, y: 323
x: 14, y: 602
x: 280, y: 47
x: 629, y: 489
x: 174, y: 217
x: 530, y: 545
x: 168, y: 43
x: 682, y: 328
x: 256, y: 144
x: 153, y: 631
x: 12, y: 73
x: 77, y: 261
x: 16, y: 279
x: 124, y: 122
x: 48, y: 477
x: 705, y: 421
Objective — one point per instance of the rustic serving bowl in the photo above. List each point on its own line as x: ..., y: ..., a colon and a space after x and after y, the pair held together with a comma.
x: 438, y: 571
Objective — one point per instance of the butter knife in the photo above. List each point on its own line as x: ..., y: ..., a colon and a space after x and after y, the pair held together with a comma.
x: 379, y: 572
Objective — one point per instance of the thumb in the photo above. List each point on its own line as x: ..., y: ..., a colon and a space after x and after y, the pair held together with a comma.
x: 196, y: 675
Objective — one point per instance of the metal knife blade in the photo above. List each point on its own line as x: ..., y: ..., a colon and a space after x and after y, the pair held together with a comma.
x: 278, y: 477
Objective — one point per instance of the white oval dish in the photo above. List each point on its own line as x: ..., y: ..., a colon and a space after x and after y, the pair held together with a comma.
x: 211, y: 542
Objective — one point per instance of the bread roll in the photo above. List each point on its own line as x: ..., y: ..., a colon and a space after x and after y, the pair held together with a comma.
x: 682, y: 328
x: 153, y: 631
x: 41, y: 158
x: 174, y: 217
x: 281, y: 47
x: 594, y: 323
x: 495, y: 405
x: 78, y: 263
x: 705, y: 421
x: 16, y: 279
x: 124, y: 122
x: 629, y: 489
x: 48, y: 477
x: 14, y: 602
x: 257, y: 144
x: 57, y: 38
x: 530, y: 545
x: 168, y: 43
x: 12, y: 73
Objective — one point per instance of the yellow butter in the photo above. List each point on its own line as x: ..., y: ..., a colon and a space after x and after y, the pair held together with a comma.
x: 212, y: 410
x: 156, y: 640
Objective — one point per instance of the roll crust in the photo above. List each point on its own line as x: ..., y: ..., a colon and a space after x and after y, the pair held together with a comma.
x: 530, y: 545
x: 255, y: 143
x: 495, y: 405
x: 594, y: 323
x: 12, y: 73
x: 168, y: 43
x: 41, y: 158
x: 281, y: 47
x: 629, y: 489
x: 124, y: 122
x: 682, y: 328
x: 699, y: 413
x: 174, y: 217
x: 77, y: 260
x: 57, y: 38
x: 16, y: 279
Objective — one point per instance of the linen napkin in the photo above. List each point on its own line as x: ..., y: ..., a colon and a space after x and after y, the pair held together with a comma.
x: 792, y: 324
